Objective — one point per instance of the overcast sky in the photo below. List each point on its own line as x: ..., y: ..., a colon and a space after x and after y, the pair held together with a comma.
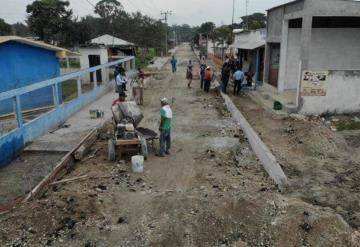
x: 193, y: 12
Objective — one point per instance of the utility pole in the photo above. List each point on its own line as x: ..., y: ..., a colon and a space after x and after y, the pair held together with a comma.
x: 233, y: 14
x: 165, y: 14
x: 247, y: 12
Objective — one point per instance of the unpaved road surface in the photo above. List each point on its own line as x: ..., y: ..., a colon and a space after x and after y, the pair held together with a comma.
x: 211, y: 190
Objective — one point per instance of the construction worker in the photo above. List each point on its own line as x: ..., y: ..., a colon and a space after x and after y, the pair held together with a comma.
x: 189, y: 73
x: 238, y: 79
x: 165, y: 127
x: 202, y: 74
x: 121, y: 83
x: 138, y: 91
x: 208, y: 77
x: 225, y: 75
x: 173, y: 64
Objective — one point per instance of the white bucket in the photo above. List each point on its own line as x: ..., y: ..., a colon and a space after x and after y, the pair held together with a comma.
x: 137, y: 163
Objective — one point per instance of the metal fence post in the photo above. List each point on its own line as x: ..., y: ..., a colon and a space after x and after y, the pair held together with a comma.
x: 95, y: 79
x: 17, y: 109
x: 55, y: 94
x: 78, y: 83
x: 133, y: 64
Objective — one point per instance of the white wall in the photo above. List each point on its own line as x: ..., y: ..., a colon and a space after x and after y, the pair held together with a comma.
x: 84, y: 60
x: 335, y: 49
x: 293, y: 59
x: 343, y: 95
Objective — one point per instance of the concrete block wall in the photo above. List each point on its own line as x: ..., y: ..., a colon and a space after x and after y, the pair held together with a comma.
x: 343, y: 95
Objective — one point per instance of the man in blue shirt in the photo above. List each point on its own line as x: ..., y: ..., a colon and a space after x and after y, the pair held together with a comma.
x: 238, y: 78
x: 173, y: 64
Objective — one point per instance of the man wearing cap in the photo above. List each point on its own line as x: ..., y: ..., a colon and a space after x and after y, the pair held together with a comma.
x: 165, y: 128
x: 208, y: 77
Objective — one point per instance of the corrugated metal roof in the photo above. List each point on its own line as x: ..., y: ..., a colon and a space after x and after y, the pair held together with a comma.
x: 250, y: 39
x: 61, y: 52
x: 248, y: 46
x: 109, y: 40
x: 284, y: 5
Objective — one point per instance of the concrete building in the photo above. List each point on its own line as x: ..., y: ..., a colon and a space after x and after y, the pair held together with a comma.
x: 313, y: 54
x: 101, y: 50
x: 24, y: 62
x: 249, y: 48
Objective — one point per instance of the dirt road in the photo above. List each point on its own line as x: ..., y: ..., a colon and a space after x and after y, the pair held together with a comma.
x: 211, y: 190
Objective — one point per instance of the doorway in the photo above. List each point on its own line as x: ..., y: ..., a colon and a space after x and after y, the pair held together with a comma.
x: 274, y: 64
x: 94, y: 60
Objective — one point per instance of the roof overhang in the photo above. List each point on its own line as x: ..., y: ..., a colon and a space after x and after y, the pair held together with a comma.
x: 60, y: 52
x: 248, y: 45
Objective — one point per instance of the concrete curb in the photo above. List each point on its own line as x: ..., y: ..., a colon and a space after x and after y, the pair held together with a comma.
x: 267, y: 159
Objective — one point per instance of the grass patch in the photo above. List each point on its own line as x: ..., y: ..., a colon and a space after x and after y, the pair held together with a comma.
x: 69, y: 89
x: 143, y: 58
x: 74, y: 63
x: 347, y: 126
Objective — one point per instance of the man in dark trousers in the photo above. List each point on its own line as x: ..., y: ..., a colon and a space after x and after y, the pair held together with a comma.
x: 202, y: 74
x: 173, y: 64
x: 225, y: 76
x: 238, y: 79
x: 209, y: 75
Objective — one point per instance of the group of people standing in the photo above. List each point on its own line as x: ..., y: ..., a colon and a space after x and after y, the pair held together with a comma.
x: 121, y: 81
x: 231, y: 67
x: 206, y: 74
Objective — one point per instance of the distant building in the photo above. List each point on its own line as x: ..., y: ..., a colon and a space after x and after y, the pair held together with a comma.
x: 313, y: 54
x: 101, y: 50
x: 249, y: 47
x: 24, y: 62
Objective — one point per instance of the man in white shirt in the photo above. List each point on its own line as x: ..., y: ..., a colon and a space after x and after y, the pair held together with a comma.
x: 120, y: 83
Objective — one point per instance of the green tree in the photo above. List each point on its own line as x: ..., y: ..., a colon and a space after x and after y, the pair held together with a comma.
x: 223, y: 33
x: 5, y: 29
x: 48, y: 18
x: 207, y: 28
x: 184, y: 33
x: 21, y: 29
x: 253, y: 21
x: 109, y: 9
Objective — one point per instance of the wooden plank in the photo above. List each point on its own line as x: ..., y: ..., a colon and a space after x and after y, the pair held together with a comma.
x: 128, y: 142
x: 69, y: 180
x: 65, y: 161
x: 84, y: 148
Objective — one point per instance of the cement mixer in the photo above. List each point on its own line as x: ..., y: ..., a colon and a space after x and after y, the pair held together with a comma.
x: 127, y: 137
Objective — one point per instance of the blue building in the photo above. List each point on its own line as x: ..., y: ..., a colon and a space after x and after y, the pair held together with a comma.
x: 24, y: 62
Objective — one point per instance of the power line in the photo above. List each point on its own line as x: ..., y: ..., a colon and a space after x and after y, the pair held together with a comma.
x: 153, y: 5
x: 132, y: 4
x: 90, y: 3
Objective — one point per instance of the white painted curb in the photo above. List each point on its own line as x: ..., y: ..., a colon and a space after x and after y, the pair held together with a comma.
x: 267, y: 159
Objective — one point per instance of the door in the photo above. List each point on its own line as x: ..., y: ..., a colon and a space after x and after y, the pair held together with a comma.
x: 274, y: 64
x: 94, y: 60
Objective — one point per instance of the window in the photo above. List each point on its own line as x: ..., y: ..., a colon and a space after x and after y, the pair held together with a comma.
x: 295, y: 23
x: 336, y: 22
